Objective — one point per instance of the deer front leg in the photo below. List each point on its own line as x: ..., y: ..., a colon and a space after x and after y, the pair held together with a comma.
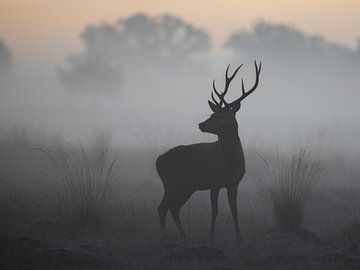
x: 176, y: 215
x: 232, y: 197
x: 214, y: 197
x: 178, y: 198
x: 162, y: 211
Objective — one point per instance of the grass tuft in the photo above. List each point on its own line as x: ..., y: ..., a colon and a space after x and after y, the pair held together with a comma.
x: 83, y: 197
x: 289, y: 184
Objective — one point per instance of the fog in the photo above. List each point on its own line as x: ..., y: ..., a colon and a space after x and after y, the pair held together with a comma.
x: 144, y: 72
x: 141, y: 85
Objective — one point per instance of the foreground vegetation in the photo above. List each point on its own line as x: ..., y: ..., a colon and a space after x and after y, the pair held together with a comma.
x: 74, y: 205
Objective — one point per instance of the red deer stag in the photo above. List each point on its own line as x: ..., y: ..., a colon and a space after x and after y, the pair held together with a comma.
x: 207, y: 166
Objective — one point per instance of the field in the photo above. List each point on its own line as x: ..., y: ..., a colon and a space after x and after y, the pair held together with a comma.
x: 93, y: 206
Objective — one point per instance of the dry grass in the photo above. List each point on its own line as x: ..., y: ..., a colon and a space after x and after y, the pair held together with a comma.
x: 83, y: 196
x: 289, y: 185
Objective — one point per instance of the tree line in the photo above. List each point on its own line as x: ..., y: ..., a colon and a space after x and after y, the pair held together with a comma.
x: 150, y: 48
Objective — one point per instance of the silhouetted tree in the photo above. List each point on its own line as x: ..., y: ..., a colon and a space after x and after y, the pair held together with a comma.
x: 286, y: 43
x: 298, y: 56
x: 138, y: 45
x: 5, y: 59
x: 148, y: 42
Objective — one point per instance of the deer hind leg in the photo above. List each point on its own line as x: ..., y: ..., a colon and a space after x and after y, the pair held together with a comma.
x: 232, y: 197
x: 162, y: 212
x: 214, y: 197
x: 177, y: 201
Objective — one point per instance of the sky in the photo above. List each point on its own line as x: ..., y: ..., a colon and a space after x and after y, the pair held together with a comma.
x: 42, y: 33
x: 34, y: 28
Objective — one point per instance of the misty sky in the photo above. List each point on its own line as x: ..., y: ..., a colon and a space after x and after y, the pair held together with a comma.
x: 41, y: 34
x: 34, y: 28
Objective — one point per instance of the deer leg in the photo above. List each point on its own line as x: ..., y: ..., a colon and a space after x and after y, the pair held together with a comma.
x: 175, y: 212
x: 178, y: 201
x: 214, y: 196
x: 232, y: 197
x: 162, y: 211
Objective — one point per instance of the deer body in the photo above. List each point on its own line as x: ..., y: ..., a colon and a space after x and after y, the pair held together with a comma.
x: 206, y: 166
x: 202, y: 166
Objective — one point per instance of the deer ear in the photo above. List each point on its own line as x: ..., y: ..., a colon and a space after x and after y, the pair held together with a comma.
x: 235, y: 106
x: 213, y: 106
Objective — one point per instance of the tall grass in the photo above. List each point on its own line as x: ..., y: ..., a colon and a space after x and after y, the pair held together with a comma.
x: 289, y: 184
x: 83, y: 197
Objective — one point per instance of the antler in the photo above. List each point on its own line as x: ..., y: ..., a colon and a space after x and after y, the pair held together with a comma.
x: 227, y: 83
x: 246, y: 93
x: 215, y: 105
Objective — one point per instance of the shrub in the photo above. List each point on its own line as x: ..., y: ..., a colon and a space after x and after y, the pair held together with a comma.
x: 83, y: 196
x: 289, y: 184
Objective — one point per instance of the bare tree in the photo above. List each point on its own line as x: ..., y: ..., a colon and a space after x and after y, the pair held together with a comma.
x: 134, y: 46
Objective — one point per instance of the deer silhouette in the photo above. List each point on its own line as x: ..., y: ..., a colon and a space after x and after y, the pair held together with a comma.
x: 207, y: 166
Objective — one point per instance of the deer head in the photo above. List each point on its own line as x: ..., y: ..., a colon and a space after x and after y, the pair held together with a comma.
x: 223, y: 120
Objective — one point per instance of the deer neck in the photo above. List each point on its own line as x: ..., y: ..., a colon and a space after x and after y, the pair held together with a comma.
x: 231, y: 148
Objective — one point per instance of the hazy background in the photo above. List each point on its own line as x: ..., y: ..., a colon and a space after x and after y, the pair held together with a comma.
x: 129, y: 68
x: 134, y: 77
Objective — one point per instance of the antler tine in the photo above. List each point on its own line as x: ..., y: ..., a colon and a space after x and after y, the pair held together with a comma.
x: 229, y: 79
x: 227, y: 83
x: 213, y: 98
x: 243, y: 87
x: 218, y: 94
x: 246, y: 93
